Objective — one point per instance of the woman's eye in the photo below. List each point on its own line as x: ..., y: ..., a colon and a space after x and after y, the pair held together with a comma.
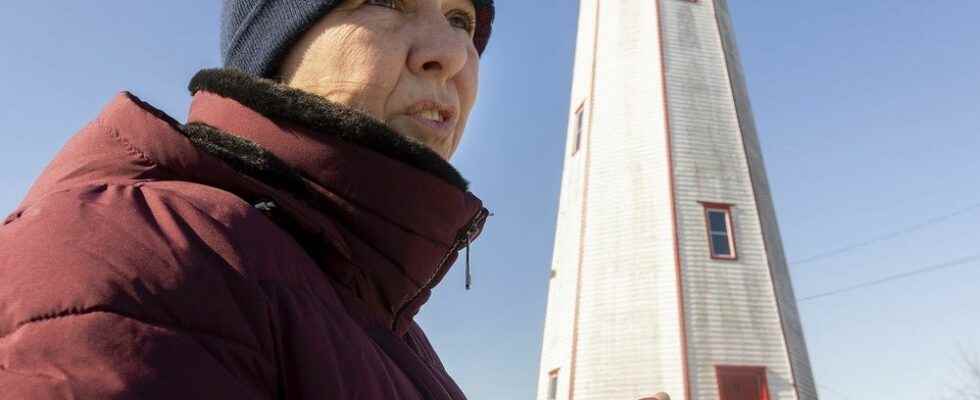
x: 462, y: 20
x: 392, y: 4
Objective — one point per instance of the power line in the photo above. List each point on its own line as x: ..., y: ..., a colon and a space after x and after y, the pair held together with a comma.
x: 887, y: 236
x: 819, y: 212
x: 837, y: 392
x: 920, y: 271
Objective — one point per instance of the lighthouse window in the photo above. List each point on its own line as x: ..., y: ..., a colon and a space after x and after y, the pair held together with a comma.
x: 720, y: 232
x: 553, y: 385
x: 579, y: 125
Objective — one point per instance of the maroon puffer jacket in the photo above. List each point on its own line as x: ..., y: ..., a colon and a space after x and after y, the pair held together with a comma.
x: 276, y: 247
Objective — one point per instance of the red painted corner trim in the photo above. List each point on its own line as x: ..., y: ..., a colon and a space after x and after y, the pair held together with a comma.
x: 673, y: 208
x: 573, y: 364
x: 755, y: 195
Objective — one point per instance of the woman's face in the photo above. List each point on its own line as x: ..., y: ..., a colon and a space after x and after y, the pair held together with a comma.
x: 409, y: 63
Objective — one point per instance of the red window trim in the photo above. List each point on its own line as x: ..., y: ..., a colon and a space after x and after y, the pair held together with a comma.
x: 729, y: 370
x: 722, y: 206
x: 727, y: 209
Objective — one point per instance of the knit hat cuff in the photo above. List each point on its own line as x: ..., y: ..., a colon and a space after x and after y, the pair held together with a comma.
x: 256, y: 35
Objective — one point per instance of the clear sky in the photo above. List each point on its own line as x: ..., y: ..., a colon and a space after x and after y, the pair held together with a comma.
x: 868, y: 116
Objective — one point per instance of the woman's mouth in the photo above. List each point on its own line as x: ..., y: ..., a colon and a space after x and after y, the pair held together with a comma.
x: 437, y: 119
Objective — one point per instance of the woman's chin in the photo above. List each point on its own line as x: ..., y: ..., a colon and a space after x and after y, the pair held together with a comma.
x: 419, y: 132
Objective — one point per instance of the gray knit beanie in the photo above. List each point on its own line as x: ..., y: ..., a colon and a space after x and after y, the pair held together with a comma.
x: 256, y: 34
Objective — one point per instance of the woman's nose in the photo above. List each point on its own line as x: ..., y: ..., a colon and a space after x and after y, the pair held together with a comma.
x: 439, y: 50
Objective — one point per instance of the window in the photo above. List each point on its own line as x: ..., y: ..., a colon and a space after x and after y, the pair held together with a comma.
x: 578, y: 127
x: 721, y: 234
x: 553, y: 385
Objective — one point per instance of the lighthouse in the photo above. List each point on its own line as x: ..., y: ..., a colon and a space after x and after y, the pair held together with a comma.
x: 668, y: 273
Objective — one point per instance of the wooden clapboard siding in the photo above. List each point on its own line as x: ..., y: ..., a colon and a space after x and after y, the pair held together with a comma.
x: 630, y: 206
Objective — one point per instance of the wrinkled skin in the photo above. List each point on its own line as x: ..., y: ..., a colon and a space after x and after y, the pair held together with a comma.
x: 409, y: 63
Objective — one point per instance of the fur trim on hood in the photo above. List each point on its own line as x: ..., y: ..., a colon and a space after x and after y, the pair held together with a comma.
x: 282, y: 103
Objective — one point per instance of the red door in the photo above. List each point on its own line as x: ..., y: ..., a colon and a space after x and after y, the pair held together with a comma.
x: 742, y: 383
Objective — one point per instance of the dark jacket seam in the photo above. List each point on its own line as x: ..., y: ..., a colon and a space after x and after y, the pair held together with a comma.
x: 7, y: 370
x: 114, y: 134
x: 130, y: 148
x: 75, y: 312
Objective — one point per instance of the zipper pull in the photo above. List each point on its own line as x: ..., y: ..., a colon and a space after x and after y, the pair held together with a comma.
x: 469, y: 276
x: 470, y: 233
x: 267, y: 207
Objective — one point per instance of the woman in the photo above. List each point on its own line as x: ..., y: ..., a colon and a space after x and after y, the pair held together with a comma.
x: 278, y: 244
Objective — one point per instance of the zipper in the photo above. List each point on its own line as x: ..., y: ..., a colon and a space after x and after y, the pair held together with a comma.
x: 468, y: 237
x: 463, y: 240
x: 472, y: 230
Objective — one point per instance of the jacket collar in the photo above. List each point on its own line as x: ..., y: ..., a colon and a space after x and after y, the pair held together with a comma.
x: 393, y: 215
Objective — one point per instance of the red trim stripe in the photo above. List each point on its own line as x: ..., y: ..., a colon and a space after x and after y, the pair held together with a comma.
x: 673, y: 208
x: 755, y: 195
x: 585, y: 202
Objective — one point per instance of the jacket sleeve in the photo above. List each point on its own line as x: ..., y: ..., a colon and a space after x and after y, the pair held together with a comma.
x: 120, y: 292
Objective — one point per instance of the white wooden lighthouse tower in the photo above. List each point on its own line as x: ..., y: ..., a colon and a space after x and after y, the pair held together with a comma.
x: 668, y: 272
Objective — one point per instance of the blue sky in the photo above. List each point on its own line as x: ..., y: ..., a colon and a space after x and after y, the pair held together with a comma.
x: 868, y: 118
